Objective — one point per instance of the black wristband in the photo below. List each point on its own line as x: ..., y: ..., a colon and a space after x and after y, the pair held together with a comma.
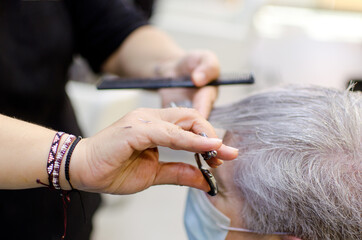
x: 67, y: 160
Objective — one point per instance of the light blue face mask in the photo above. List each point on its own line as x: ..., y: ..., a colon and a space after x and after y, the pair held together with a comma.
x: 203, y: 221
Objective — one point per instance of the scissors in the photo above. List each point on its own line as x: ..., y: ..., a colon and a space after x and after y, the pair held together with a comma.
x: 207, y: 174
x: 207, y: 156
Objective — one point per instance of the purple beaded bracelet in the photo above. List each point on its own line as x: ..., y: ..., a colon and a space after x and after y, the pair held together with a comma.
x: 59, y: 159
x: 51, y: 157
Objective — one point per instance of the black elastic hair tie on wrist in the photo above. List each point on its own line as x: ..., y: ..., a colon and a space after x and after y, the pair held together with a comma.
x: 66, y: 170
x: 67, y: 160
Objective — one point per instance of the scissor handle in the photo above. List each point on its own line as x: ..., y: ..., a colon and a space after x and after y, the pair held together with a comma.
x: 211, y: 181
x: 208, y: 177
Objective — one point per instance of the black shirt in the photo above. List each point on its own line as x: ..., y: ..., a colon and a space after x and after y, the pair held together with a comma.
x: 38, y: 40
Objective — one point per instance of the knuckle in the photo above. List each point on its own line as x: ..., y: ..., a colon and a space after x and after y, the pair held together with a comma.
x: 173, y: 136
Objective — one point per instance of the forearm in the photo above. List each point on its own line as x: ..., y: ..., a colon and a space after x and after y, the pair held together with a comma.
x: 142, y: 52
x: 24, y: 150
x: 120, y: 159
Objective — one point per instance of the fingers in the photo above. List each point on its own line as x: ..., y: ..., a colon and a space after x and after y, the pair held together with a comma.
x: 176, y: 138
x: 177, y: 128
x: 227, y: 153
x: 191, y: 141
x: 202, y: 65
x: 176, y: 95
x: 188, y: 119
x: 224, y: 153
x: 204, y: 100
x: 206, y: 70
x: 181, y: 174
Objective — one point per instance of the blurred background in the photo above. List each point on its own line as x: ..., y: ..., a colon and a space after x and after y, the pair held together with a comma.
x: 279, y: 41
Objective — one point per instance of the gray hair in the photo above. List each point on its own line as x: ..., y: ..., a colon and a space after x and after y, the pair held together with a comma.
x: 300, y: 168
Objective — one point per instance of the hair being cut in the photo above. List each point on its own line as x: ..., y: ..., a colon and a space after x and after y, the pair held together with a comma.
x: 300, y: 163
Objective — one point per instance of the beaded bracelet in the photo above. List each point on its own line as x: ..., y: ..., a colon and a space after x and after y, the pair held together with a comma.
x: 51, y: 157
x: 59, y: 159
x: 54, y: 162
x: 67, y: 160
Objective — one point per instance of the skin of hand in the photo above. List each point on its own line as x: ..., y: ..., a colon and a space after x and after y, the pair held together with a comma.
x: 149, y: 52
x: 123, y: 158
x: 203, y: 66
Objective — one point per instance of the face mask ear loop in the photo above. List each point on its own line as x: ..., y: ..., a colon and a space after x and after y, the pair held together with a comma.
x: 237, y: 229
x: 248, y: 230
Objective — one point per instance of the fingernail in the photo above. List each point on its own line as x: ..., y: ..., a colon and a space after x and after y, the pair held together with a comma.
x: 216, y: 164
x: 233, y: 149
x: 215, y: 140
x: 199, y: 78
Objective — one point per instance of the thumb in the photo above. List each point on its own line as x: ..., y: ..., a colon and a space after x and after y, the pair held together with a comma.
x: 180, y: 174
x: 207, y: 70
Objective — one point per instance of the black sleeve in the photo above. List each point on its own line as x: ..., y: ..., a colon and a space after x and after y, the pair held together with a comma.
x: 100, y: 26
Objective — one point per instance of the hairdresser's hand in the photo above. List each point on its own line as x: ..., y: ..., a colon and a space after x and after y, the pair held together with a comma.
x: 203, y: 66
x: 123, y: 158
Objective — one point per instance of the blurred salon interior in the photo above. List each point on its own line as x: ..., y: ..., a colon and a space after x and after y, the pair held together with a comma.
x: 279, y: 41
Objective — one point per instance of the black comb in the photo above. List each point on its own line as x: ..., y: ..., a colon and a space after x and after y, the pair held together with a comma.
x: 113, y: 82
